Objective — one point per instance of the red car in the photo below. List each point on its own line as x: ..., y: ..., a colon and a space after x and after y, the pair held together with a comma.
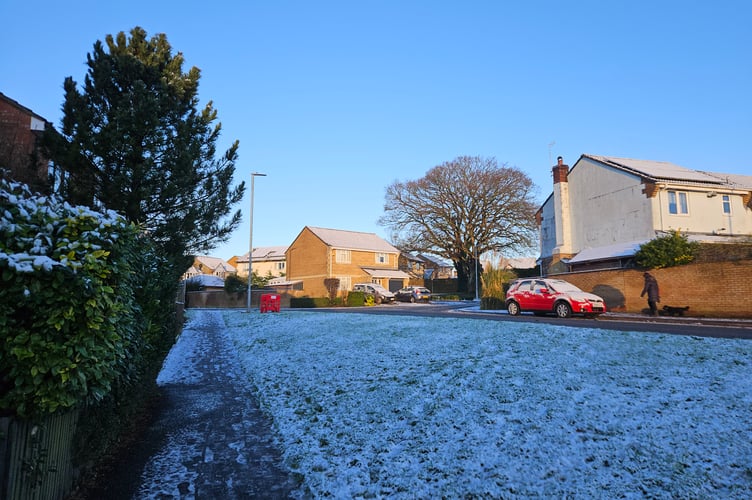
x: 543, y: 296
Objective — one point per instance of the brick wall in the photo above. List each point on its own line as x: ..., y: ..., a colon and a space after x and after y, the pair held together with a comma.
x: 18, y: 145
x: 711, y: 289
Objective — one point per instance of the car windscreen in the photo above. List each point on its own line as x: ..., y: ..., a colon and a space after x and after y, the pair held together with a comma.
x: 563, y: 286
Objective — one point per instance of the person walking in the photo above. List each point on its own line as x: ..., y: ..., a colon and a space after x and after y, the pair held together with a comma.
x: 651, y: 289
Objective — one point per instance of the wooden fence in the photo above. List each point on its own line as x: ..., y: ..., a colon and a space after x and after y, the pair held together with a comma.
x: 36, y: 457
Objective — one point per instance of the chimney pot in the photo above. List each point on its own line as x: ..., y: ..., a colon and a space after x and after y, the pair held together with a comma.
x: 560, y: 171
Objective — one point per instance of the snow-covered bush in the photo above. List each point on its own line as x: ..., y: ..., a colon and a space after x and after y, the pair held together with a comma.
x: 67, y: 307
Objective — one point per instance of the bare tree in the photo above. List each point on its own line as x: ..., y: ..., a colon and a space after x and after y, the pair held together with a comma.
x: 460, y: 210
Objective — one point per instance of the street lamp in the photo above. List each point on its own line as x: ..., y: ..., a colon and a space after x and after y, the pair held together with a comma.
x: 475, y: 251
x: 250, y: 241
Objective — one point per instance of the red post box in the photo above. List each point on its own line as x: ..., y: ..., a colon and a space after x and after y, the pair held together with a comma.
x: 270, y: 302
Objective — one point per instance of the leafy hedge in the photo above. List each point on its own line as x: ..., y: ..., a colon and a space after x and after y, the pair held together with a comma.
x: 68, y: 312
x: 673, y: 249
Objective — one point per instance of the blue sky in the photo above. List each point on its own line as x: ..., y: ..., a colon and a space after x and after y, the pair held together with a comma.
x: 336, y: 100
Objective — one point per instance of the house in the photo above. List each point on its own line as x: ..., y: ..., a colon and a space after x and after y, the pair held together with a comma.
x: 603, y: 208
x: 414, y: 266
x: 266, y: 261
x: 436, y: 268
x: 353, y: 257
x: 214, y: 266
x: 20, y: 132
x: 206, y: 282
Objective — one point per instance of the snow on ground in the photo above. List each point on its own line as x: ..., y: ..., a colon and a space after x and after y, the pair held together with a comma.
x: 409, y: 407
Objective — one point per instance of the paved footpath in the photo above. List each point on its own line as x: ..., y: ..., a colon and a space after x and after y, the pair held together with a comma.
x: 208, y: 439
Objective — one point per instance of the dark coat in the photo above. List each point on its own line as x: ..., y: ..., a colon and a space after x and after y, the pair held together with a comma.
x: 651, y: 288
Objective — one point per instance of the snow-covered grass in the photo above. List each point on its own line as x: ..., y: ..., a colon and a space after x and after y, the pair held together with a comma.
x: 408, y: 407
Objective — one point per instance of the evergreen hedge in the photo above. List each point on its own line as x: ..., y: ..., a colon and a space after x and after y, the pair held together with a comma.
x: 82, y: 307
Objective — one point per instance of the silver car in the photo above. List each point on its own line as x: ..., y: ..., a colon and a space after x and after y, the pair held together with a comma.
x: 378, y: 292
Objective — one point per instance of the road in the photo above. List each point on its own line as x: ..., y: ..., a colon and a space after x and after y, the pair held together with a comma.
x: 698, y: 327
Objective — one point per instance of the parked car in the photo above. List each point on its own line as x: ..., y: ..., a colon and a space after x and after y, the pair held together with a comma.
x: 413, y: 294
x: 378, y: 292
x: 543, y: 296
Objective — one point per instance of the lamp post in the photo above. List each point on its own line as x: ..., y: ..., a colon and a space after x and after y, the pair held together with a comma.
x: 250, y: 241
x: 475, y: 251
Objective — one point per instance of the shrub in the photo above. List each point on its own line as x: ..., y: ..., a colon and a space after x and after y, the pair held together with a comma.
x: 332, y: 287
x: 356, y: 299
x: 236, y: 284
x: 492, y: 303
x: 666, y: 251
x: 308, y: 302
x: 67, y: 305
x: 495, y: 283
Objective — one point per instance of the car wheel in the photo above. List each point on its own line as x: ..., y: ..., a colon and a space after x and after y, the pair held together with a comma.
x: 563, y: 310
x: 513, y: 308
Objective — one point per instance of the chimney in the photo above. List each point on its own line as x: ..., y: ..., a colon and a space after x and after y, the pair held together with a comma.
x: 560, y: 171
x: 562, y: 214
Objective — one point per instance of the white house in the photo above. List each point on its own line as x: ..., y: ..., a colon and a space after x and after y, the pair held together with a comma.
x: 603, y: 208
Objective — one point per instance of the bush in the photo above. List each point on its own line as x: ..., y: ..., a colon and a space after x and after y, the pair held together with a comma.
x: 492, y: 303
x: 68, y: 314
x: 332, y: 287
x: 667, y: 251
x: 309, y: 302
x: 236, y: 284
x: 356, y: 299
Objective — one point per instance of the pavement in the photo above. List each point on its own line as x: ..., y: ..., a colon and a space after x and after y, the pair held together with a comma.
x: 208, y: 438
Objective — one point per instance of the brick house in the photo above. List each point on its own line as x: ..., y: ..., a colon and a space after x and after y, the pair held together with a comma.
x: 352, y: 257
x: 20, y: 132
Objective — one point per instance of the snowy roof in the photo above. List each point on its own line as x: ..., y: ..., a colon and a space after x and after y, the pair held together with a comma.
x: 522, y: 262
x: 386, y: 273
x: 265, y: 253
x: 353, y: 240
x: 736, y: 181
x: 431, y: 259
x: 657, y: 169
x: 615, y: 251
x: 208, y: 280
x: 215, y: 263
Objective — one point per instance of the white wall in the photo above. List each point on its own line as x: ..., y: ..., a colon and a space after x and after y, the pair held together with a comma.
x: 608, y: 206
x: 547, y: 228
x: 705, y: 213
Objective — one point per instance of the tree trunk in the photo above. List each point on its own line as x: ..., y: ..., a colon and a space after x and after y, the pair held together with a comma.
x: 466, y: 276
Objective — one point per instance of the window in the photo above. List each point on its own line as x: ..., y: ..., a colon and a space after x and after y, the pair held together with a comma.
x: 382, y: 258
x: 280, y: 266
x: 344, y: 283
x: 342, y: 256
x: 677, y: 203
x: 726, y: 204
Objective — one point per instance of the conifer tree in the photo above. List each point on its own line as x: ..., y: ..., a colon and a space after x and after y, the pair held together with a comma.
x: 135, y: 140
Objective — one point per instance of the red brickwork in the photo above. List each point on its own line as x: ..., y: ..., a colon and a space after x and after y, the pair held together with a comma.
x: 713, y: 289
x: 18, y: 144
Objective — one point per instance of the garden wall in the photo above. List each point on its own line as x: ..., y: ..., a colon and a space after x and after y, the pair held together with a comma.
x: 710, y: 289
x: 222, y: 299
